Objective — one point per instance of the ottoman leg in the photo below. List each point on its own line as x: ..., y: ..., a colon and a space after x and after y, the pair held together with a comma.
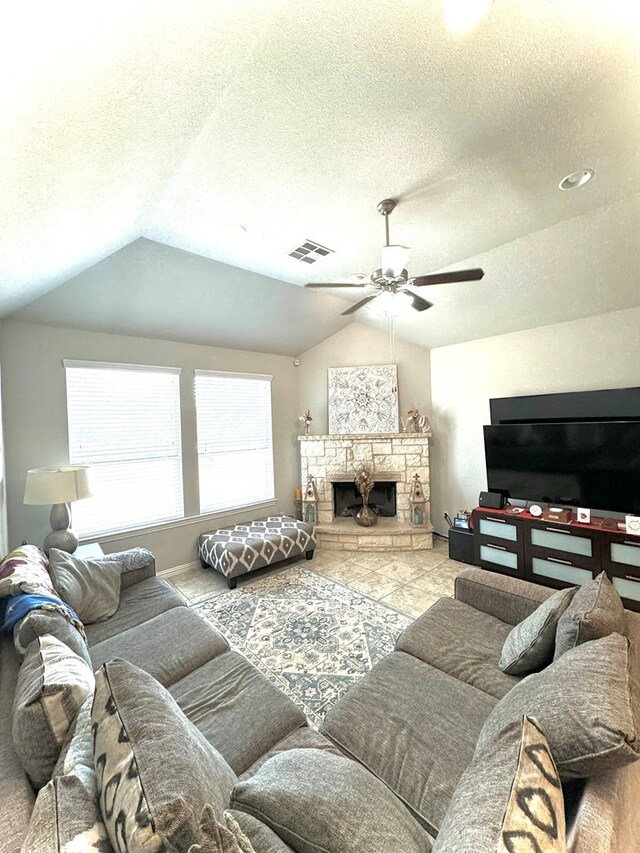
x: 204, y: 564
x: 232, y: 583
x: 309, y: 555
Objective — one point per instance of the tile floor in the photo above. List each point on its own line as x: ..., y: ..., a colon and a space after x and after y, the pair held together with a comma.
x: 410, y: 581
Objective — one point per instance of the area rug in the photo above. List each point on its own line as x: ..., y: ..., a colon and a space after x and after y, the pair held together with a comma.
x: 308, y: 634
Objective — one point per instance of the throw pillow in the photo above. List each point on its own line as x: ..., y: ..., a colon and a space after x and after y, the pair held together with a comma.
x: 155, y: 771
x: 315, y: 800
x: 26, y: 570
x: 529, y: 646
x: 48, y: 620
x: 509, y: 800
x: 53, y: 683
x: 91, y: 587
x: 596, y: 611
x: 587, y: 704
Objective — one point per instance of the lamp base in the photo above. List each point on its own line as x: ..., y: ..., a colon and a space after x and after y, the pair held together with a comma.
x: 61, y: 536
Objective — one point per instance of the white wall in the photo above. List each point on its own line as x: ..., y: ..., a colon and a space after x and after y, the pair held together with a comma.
x: 35, y: 423
x: 354, y: 346
x: 593, y: 353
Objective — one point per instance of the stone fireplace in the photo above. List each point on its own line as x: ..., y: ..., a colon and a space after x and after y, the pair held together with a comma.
x: 394, y: 459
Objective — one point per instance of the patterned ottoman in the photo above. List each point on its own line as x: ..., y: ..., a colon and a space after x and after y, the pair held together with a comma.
x: 246, y: 547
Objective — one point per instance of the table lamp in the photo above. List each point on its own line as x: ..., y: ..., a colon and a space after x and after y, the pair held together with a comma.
x: 60, y: 487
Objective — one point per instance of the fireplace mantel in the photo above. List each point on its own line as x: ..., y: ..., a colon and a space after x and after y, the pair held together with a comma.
x: 396, y: 457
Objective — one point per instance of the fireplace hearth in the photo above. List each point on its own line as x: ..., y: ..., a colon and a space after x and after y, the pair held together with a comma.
x: 347, y: 500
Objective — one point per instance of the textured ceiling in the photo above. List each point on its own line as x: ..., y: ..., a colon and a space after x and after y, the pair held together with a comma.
x: 168, y: 120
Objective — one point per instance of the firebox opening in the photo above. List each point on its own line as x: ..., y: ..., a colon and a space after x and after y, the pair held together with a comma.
x: 347, y: 500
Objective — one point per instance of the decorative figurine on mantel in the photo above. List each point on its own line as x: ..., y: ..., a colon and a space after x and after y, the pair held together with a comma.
x: 365, y: 517
x: 310, y: 501
x: 306, y: 420
x: 417, y: 502
x: 415, y: 422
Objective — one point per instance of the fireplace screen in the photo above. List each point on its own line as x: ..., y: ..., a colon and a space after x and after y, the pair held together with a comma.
x: 347, y: 500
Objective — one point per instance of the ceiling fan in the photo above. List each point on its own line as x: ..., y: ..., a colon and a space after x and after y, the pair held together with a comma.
x: 392, y: 283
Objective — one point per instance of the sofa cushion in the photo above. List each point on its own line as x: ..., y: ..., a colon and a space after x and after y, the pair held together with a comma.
x: 531, y: 643
x: 316, y: 801
x: 237, y: 709
x: 302, y: 738
x: 413, y: 726
x: 53, y: 683
x: 595, y: 612
x: 464, y: 642
x: 168, y: 647
x: 91, y: 587
x: 509, y: 799
x: 155, y: 771
x: 587, y: 703
x: 138, y: 604
x: 26, y: 569
x: 39, y: 622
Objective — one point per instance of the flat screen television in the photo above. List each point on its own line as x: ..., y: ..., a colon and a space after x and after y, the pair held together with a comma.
x: 593, y: 464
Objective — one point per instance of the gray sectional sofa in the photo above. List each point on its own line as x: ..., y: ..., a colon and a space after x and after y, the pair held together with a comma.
x: 413, y: 721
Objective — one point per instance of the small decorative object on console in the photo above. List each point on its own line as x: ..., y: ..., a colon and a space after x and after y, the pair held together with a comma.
x: 462, y: 519
x: 306, y: 420
x: 556, y: 513
x: 535, y: 510
x: 633, y: 524
x: 584, y: 515
x: 417, y: 502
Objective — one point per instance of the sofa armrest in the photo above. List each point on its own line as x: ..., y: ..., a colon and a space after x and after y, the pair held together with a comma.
x: 138, y: 565
x: 509, y: 599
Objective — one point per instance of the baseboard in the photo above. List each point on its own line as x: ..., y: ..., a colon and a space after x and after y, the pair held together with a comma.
x: 174, y: 570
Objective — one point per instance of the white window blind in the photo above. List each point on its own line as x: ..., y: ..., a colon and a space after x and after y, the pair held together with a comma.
x: 235, y: 443
x: 124, y: 422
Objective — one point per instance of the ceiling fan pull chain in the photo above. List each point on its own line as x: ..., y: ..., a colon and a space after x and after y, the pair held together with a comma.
x: 392, y: 340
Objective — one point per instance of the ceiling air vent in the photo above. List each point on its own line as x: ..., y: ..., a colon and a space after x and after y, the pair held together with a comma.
x: 309, y: 252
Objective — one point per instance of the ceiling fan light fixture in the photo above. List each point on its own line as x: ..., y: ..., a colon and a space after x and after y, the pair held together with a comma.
x: 394, y: 260
x: 463, y: 15
x: 388, y: 304
x: 358, y: 278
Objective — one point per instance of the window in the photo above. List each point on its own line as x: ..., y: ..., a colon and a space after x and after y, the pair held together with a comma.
x: 124, y: 421
x: 235, y: 444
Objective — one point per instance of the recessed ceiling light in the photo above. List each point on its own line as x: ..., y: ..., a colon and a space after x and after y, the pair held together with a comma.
x: 464, y: 15
x: 358, y: 278
x: 576, y: 179
x: 233, y: 231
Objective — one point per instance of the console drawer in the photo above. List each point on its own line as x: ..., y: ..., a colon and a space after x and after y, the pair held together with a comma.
x: 555, y: 539
x: 498, y: 555
x: 624, y: 553
x: 558, y: 572
x: 497, y: 528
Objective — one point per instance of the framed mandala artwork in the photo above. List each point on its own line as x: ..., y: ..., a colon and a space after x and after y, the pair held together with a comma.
x: 363, y: 399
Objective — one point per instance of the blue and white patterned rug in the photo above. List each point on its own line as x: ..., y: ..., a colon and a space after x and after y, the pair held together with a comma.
x: 308, y: 634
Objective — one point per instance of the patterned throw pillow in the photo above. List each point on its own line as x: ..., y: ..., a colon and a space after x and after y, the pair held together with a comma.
x: 534, y: 819
x: 26, y: 570
x: 595, y: 612
x: 91, y: 587
x: 161, y: 785
x: 53, y: 683
x: 530, y: 644
x: 509, y: 799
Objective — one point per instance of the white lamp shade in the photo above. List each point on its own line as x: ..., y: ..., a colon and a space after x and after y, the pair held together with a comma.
x: 57, y: 485
x: 394, y: 260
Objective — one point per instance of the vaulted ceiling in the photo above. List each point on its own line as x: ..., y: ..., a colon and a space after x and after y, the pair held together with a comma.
x: 167, y: 120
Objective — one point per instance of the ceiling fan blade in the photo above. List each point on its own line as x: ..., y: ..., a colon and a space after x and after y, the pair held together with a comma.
x: 356, y: 306
x: 418, y: 303
x: 447, y: 277
x: 336, y: 284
